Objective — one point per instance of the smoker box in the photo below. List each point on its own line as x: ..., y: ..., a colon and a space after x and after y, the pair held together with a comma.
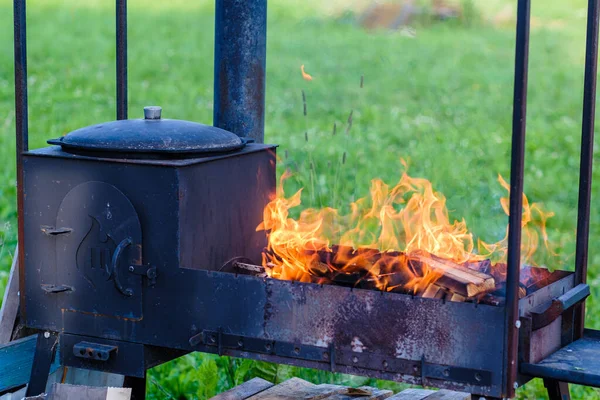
x: 109, y: 239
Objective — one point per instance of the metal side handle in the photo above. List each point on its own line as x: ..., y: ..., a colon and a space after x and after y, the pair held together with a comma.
x: 545, y: 314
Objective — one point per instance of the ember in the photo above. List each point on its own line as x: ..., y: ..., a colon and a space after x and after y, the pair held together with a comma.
x: 397, y: 239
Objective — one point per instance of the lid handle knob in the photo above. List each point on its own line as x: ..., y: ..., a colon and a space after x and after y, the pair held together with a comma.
x: 152, y: 112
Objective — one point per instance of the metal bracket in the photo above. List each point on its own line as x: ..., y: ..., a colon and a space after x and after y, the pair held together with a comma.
x: 262, y: 346
x: 52, y: 231
x: 49, y: 288
x: 335, y: 356
x: 148, y: 272
x: 457, y: 374
x: 93, y: 351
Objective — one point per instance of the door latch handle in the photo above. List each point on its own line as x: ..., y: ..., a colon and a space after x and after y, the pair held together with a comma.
x: 114, y: 270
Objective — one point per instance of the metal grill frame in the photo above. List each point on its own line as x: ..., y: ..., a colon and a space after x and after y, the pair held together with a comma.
x: 239, y: 101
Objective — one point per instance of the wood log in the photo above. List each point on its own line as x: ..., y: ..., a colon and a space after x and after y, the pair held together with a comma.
x: 456, y: 278
x: 434, y: 291
x: 346, y: 266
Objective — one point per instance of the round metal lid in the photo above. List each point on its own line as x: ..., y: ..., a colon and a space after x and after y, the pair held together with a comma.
x: 150, y: 137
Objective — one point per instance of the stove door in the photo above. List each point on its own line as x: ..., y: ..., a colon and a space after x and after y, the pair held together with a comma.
x: 95, y: 257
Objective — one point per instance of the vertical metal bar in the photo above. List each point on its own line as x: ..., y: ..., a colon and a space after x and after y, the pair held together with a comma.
x: 45, y: 351
x: 516, y: 193
x: 587, y: 152
x: 121, y: 13
x: 22, y: 123
x: 240, y: 58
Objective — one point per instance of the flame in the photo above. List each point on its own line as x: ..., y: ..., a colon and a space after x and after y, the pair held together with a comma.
x: 306, y: 76
x: 383, y: 237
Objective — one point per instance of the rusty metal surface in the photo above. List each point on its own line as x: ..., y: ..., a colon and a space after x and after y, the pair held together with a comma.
x: 547, y: 293
x: 517, y: 166
x: 362, y: 324
x: 392, y: 325
x: 545, y: 341
x: 240, y: 59
x: 21, y: 123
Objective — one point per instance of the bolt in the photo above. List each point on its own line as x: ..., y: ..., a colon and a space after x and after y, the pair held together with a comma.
x: 354, y: 359
x: 240, y: 343
x: 268, y: 346
x: 385, y: 364
x: 478, y: 377
x: 518, y: 323
x: 297, y: 350
x: 515, y: 385
x: 131, y: 269
x: 152, y: 112
x: 446, y: 373
x: 46, y: 335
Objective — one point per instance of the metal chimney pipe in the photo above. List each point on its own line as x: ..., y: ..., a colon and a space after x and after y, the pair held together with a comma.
x: 240, y: 58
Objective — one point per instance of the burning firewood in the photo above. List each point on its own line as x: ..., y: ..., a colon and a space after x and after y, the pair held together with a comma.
x: 419, y: 273
x: 434, y: 291
x: 456, y: 278
x: 394, y: 271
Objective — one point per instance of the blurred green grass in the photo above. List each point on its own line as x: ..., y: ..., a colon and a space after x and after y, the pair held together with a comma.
x: 442, y: 100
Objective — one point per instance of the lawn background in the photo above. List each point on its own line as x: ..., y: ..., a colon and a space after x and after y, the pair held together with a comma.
x: 440, y: 98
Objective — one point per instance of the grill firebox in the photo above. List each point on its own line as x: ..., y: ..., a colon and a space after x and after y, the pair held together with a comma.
x: 129, y: 250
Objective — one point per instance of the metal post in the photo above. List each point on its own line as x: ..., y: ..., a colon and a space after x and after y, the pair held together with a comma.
x: 240, y: 57
x: 121, y: 13
x: 587, y: 153
x: 45, y: 351
x: 22, y: 121
x: 516, y: 193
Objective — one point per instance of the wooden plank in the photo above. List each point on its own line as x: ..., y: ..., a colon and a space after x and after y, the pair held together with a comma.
x: 412, y: 394
x: 352, y: 394
x: 245, y: 390
x: 61, y: 391
x: 10, y: 302
x: 16, y: 360
x: 296, y: 388
x: 18, y: 395
x: 448, y: 395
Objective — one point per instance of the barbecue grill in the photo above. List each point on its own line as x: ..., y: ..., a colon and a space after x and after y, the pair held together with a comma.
x: 139, y: 244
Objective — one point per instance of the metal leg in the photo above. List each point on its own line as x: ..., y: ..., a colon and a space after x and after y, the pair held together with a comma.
x: 557, y: 390
x: 137, y: 385
x: 45, y: 350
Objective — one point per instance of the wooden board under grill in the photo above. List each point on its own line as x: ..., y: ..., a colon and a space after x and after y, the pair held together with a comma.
x: 296, y: 389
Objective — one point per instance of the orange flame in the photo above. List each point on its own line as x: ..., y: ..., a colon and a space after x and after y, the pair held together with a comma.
x: 307, y: 77
x: 398, y: 224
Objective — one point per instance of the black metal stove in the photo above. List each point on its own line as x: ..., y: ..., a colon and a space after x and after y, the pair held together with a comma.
x: 131, y: 232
